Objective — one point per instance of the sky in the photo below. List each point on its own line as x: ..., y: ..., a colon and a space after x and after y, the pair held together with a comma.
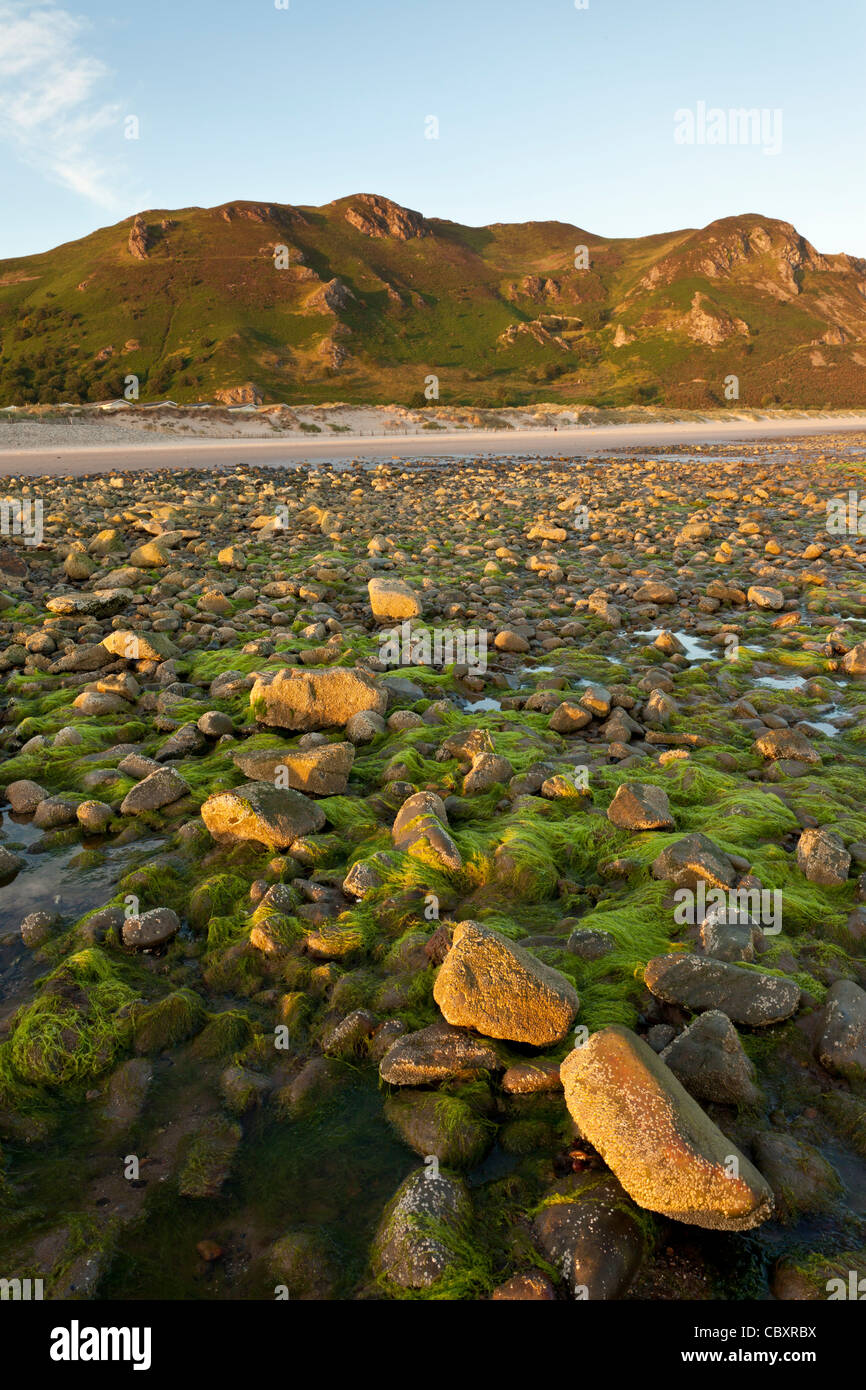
x: 589, y: 112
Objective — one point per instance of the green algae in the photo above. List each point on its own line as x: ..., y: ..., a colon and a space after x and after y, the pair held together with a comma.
x: 166, y: 1022
x: 72, y: 1032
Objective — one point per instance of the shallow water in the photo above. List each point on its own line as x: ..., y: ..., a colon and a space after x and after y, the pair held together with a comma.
x: 781, y: 682
x: 694, y: 649
x: 330, y: 1173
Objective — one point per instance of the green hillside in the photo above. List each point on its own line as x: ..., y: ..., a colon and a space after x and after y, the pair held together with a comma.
x: 363, y: 300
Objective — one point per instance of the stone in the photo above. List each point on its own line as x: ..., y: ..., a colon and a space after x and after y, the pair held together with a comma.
x: 654, y: 591
x: 569, y: 718
x: 854, y: 662
x: 315, y: 699
x: 777, y: 744
x: 140, y: 646
x: 693, y: 858
x: 531, y: 1078
x: 86, y: 657
x: 842, y: 1046
x: 350, y: 1034
x: 591, y: 1233
x: 823, y: 858
x: 364, y: 726
x: 486, y: 771
x: 665, y: 1151
x: 762, y: 596
x: 210, y: 1157
x: 320, y: 771
x: 367, y: 874
x: 590, y: 944
x: 801, y: 1178
x: 709, y: 1060
x: 127, y: 1092
x: 420, y: 829
x: 24, y: 796
x: 256, y: 811
x: 214, y: 724
x: 499, y: 989
x: 94, y: 817
x: 529, y: 1286
x: 157, y: 789
x: 150, y: 929
x: 305, y: 1266
x: 746, y: 996
x: 55, y: 811
x: 392, y: 601
x: 508, y: 641
x: 92, y: 703
x: 104, y: 604
x: 597, y: 699
x: 439, y: 1052
x: 444, y: 1127
x: 406, y: 1251
x: 151, y: 555
x: 37, y: 928
x: 640, y: 806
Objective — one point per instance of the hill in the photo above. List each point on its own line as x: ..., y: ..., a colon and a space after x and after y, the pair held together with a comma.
x: 364, y: 300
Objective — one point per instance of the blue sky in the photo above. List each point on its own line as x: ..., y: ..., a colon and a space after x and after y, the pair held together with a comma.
x: 544, y: 110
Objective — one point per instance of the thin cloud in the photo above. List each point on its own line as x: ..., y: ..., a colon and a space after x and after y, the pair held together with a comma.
x: 52, y: 112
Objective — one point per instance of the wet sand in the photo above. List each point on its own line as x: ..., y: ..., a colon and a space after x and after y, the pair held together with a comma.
x: 576, y: 443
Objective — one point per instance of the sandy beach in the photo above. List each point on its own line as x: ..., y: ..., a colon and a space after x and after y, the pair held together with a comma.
x: 121, y: 453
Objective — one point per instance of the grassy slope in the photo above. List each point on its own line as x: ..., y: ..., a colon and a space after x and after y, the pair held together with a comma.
x: 208, y: 310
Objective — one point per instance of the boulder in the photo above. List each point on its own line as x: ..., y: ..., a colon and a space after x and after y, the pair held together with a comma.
x: 441, y: 1126
x: 306, y: 700
x: 823, y: 858
x: 158, y: 789
x: 787, y: 744
x: 140, y: 646
x: 709, y: 1060
x: 151, y: 928
x: 321, y: 771
x: 420, y: 829
x: 842, y: 1047
x: 591, y: 1233
x: 407, y: 1250
x: 640, y: 806
x: 392, y: 601
x: 104, y: 604
x: 801, y: 1178
x: 692, y: 858
x: 763, y: 596
x: 437, y: 1053
x: 502, y: 991
x: 667, y: 1154
x: 256, y: 811
x: 745, y: 996
x: 24, y: 796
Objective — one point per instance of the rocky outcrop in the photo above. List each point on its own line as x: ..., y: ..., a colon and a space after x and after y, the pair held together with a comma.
x: 139, y: 238
x: 247, y: 394
x: 379, y: 217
